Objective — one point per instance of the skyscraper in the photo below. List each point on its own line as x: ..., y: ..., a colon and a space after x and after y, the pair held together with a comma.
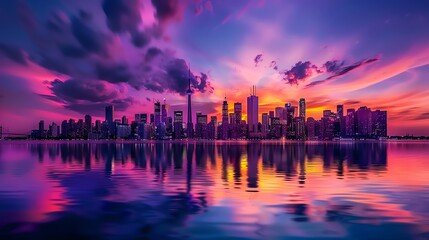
x: 340, y: 111
x: 178, y: 124
x: 379, y: 123
x: 42, y: 129
x: 364, y: 122
x: 238, y: 112
x: 224, y: 119
x: 201, y: 126
x: 189, y: 125
x: 109, y: 120
x: 164, y: 112
x: 252, y: 111
x: 157, y: 111
x: 109, y: 113
x: 302, y: 108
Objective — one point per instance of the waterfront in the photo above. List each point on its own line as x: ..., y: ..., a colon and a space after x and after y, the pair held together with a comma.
x: 191, y: 190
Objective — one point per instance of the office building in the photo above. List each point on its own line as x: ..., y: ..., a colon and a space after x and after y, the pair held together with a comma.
x: 252, y: 111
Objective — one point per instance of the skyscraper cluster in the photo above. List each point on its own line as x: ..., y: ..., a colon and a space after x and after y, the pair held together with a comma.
x: 283, y: 122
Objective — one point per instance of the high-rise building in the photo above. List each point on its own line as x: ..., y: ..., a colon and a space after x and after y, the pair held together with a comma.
x: 53, y: 130
x: 88, y: 122
x: 157, y: 112
x: 238, y: 112
x: 340, y: 111
x: 141, y: 117
x: 364, y: 122
x: 42, y: 132
x: 379, y: 123
x: 109, y: 113
x: 109, y: 120
x: 124, y: 120
x: 164, y: 112
x: 252, y: 111
x: 189, y: 125
x: 201, y: 126
x: 280, y: 113
x: 302, y: 108
x: 350, y: 123
x: 178, y: 124
x: 265, y: 119
x: 311, y: 124
x: 290, y: 121
x: 212, y: 128
x: 224, y: 119
x: 232, y: 119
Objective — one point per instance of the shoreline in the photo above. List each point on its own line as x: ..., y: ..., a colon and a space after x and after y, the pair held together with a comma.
x: 184, y: 141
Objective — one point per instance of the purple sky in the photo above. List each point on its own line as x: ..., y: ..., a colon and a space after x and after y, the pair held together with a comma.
x: 62, y: 59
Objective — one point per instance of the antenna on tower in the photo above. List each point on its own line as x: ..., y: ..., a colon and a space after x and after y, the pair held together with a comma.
x: 189, y: 77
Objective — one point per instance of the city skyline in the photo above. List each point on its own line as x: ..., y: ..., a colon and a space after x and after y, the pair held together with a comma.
x: 68, y: 59
x: 288, y: 122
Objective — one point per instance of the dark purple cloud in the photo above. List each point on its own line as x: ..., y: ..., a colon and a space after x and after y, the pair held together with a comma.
x: 88, y: 38
x: 87, y: 96
x: 173, y: 76
x: 75, y: 90
x: 72, y: 45
x: 333, y: 66
x: 422, y: 116
x: 300, y: 72
x: 124, y: 16
x: 351, y: 102
x: 167, y: 10
x: 114, y: 73
x: 338, y: 69
x: 258, y: 59
x: 13, y: 53
x: 274, y: 66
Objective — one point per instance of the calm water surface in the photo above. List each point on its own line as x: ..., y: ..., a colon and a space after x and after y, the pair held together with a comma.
x: 230, y: 190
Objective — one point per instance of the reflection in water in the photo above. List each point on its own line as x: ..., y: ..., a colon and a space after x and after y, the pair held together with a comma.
x: 181, y: 190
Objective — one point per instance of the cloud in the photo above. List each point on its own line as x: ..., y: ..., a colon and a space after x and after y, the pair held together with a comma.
x: 173, y: 76
x: 13, y: 53
x: 274, y: 66
x: 72, y: 51
x: 114, y: 73
x: 333, y: 66
x: 92, y: 60
x: 89, y: 39
x: 300, y: 72
x: 75, y: 90
x: 422, y: 116
x: 167, y: 10
x: 258, y: 59
x: 87, y: 96
x: 201, y: 5
x: 352, y: 102
x: 338, y: 69
x: 57, y: 22
x: 98, y: 108
x: 123, y: 16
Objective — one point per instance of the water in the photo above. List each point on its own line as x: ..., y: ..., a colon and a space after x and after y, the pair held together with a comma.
x: 234, y: 190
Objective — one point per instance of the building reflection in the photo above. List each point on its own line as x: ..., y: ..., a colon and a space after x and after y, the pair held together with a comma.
x: 237, y: 160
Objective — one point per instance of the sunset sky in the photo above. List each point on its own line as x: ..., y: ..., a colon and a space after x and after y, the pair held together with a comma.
x: 61, y: 59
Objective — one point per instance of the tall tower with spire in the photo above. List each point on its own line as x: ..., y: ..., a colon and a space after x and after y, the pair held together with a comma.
x: 225, y: 124
x: 252, y: 111
x: 189, y: 125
